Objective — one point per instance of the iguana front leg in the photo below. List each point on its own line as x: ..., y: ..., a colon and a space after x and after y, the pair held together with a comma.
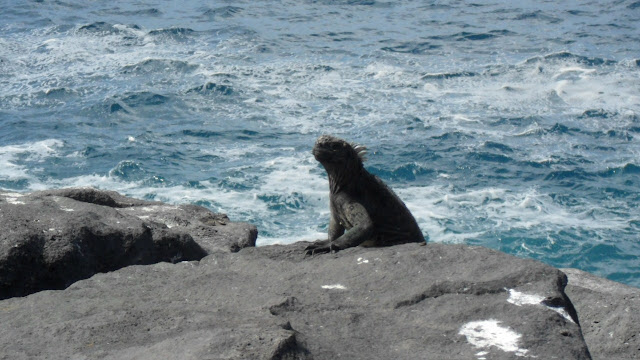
x: 335, y: 230
x: 361, y: 230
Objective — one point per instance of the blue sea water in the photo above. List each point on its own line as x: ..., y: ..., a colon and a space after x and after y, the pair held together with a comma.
x: 512, y: 125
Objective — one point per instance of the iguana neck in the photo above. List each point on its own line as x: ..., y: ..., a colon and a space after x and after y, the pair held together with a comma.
x: 344, y: 177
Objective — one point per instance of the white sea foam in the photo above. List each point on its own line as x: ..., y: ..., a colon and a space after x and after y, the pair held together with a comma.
x: 240, y: 205
x: 491, y: 209
x: 13, y: 198
x: 293, y: 181
x: 226, y: 201
x: 382, y: 70
x: 289, y: 175
x: 233, y: 152
x: 295, y: 178
x: 33, y: 152
x: 309, y: 233
x: 576, y: 89
x: 289, y: 180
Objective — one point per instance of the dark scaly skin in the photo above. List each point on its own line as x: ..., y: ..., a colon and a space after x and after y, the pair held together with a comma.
x: 361, y: 204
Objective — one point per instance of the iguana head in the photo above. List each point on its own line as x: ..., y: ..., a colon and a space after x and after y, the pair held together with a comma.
x: 336, y: 153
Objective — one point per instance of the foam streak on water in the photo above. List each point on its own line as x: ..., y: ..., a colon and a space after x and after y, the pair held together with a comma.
x: 513, y: 126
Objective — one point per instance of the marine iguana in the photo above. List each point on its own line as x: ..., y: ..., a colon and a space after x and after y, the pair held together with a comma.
x: 360, y: 203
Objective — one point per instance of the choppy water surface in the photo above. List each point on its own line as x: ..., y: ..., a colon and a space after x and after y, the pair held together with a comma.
x: 513, y: 125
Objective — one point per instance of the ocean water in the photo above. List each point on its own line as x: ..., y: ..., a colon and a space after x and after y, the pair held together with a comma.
x: 511, y: 125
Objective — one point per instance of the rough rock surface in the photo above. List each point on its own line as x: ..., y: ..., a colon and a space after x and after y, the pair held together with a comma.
x: 401, y: 302
x: 51, y: 239
x: 214, y: 232
x: 241, y: 302
x: 609, y: 314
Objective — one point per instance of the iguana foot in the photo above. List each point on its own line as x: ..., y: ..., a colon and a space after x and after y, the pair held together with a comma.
x: 320, y: 247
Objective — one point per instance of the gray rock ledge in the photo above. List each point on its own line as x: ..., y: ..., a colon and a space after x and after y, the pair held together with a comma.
x: 50, y: 239
x: 242, y: 302
x: 609, y: 314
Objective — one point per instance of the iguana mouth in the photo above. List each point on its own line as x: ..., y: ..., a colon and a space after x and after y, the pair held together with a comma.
x: 322, y: 155
x: 326, y: 148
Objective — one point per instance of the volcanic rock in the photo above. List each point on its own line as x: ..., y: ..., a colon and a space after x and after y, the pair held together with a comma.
x: 241, y: 302
x: 609, y: 314
x: 50, y: 239
x: 401, y: 302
